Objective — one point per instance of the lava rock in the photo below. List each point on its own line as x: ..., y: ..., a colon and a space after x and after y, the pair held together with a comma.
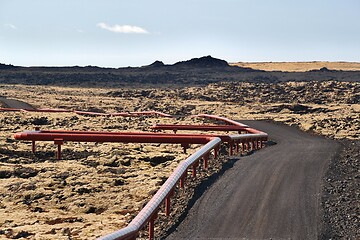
x: 154, y: 161
x: 119, y: 182
x: 5, y: 173
x: 25, y: 172
x: 22, y: 234
x: 41, y: 121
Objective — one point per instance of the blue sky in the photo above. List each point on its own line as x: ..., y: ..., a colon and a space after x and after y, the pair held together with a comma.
x: 119, y: 33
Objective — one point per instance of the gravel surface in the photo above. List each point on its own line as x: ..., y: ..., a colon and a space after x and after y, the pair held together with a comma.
x: 341, y: 197
x: 271, y: 194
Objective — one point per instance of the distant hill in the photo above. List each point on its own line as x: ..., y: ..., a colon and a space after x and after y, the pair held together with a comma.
x: 203, y: 62
x: 156, y: 64
x: 5, y: 66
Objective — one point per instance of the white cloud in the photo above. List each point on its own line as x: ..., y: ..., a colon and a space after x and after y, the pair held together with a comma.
x: 8, y: 25
x: 122, y: 28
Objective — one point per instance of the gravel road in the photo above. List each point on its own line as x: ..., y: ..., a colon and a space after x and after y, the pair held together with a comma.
x: 272, y: 194
x: 12, y: 103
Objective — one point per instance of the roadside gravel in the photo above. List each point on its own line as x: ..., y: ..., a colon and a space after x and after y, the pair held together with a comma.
x: 341, y: 196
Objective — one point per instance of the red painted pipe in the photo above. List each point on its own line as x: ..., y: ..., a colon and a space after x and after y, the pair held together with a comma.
x: 149, y: 213
x: 168, y: 203
x: 151, y: 113
x: 109, y: 137
x: 125, y: 137
x: 205, y: 161
x: 20, y: 136
x: 231, y: 148
x: 229, y: 121
x: 167, y: 206
x: 144, y: 113
x: 182, y: 180
x: 151, y: 226
x: 50, y: 110
x: 175, y: 127
x: 33, y: 147
x: 91, y: 113
x: 10, y: 109
x: 194, y: 167
x: 214, y: 117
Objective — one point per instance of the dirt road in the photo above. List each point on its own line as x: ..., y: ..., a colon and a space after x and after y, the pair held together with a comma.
x: 272, y: 194
x: 12, y: 103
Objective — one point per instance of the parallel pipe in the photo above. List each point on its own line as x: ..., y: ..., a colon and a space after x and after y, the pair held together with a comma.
x: 10, y: 109
x: 214, y: 117
x: 102, y: 136
x: 248, y: 129
x: 149, y: 213
x: 50, y: 110
x: 140, y: 220
x: 176, y: 127
x: 109, y: 137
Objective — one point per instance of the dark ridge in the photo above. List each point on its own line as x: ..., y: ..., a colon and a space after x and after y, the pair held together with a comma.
x: 156, y: 64
x: 324, y: 69
x: 5, y: 66
x: 195, y: 72
x: 203, y: 62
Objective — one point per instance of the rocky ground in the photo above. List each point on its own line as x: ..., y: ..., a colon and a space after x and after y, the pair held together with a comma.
x: 98, y: 188
x: 95, y: 189
x: 341, y: 200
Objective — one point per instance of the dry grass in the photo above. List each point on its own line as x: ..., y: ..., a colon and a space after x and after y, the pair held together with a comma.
x: 299, y: 66
x: 98, y: 188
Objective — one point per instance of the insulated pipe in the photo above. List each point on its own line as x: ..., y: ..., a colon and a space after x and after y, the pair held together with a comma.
x: 151, y: 113
x: 98, y: 136
x: 136, y: 138
x: 124, y: 114
x: 176, y: 127
x: 50, y: 110
x: 146, y: 213
x: 149, y: 212
x: 221, y: 119
x: 10, y: 109
x: 248, y: 129
x: 222, y: 136
x: 90, y: 113
x: 146, y: 113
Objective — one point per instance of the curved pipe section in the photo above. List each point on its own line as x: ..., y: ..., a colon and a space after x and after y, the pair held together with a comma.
x: 214, y: 117
x: 149, y: 212
x: 247, y: 128
x: 152, y: 206
x: 109, y: 137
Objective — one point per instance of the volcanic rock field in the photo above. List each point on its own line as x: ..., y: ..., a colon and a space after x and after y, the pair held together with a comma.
x: 97, y: 188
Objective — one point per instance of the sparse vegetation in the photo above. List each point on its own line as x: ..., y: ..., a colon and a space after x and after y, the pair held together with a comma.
x: 42, y: 197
